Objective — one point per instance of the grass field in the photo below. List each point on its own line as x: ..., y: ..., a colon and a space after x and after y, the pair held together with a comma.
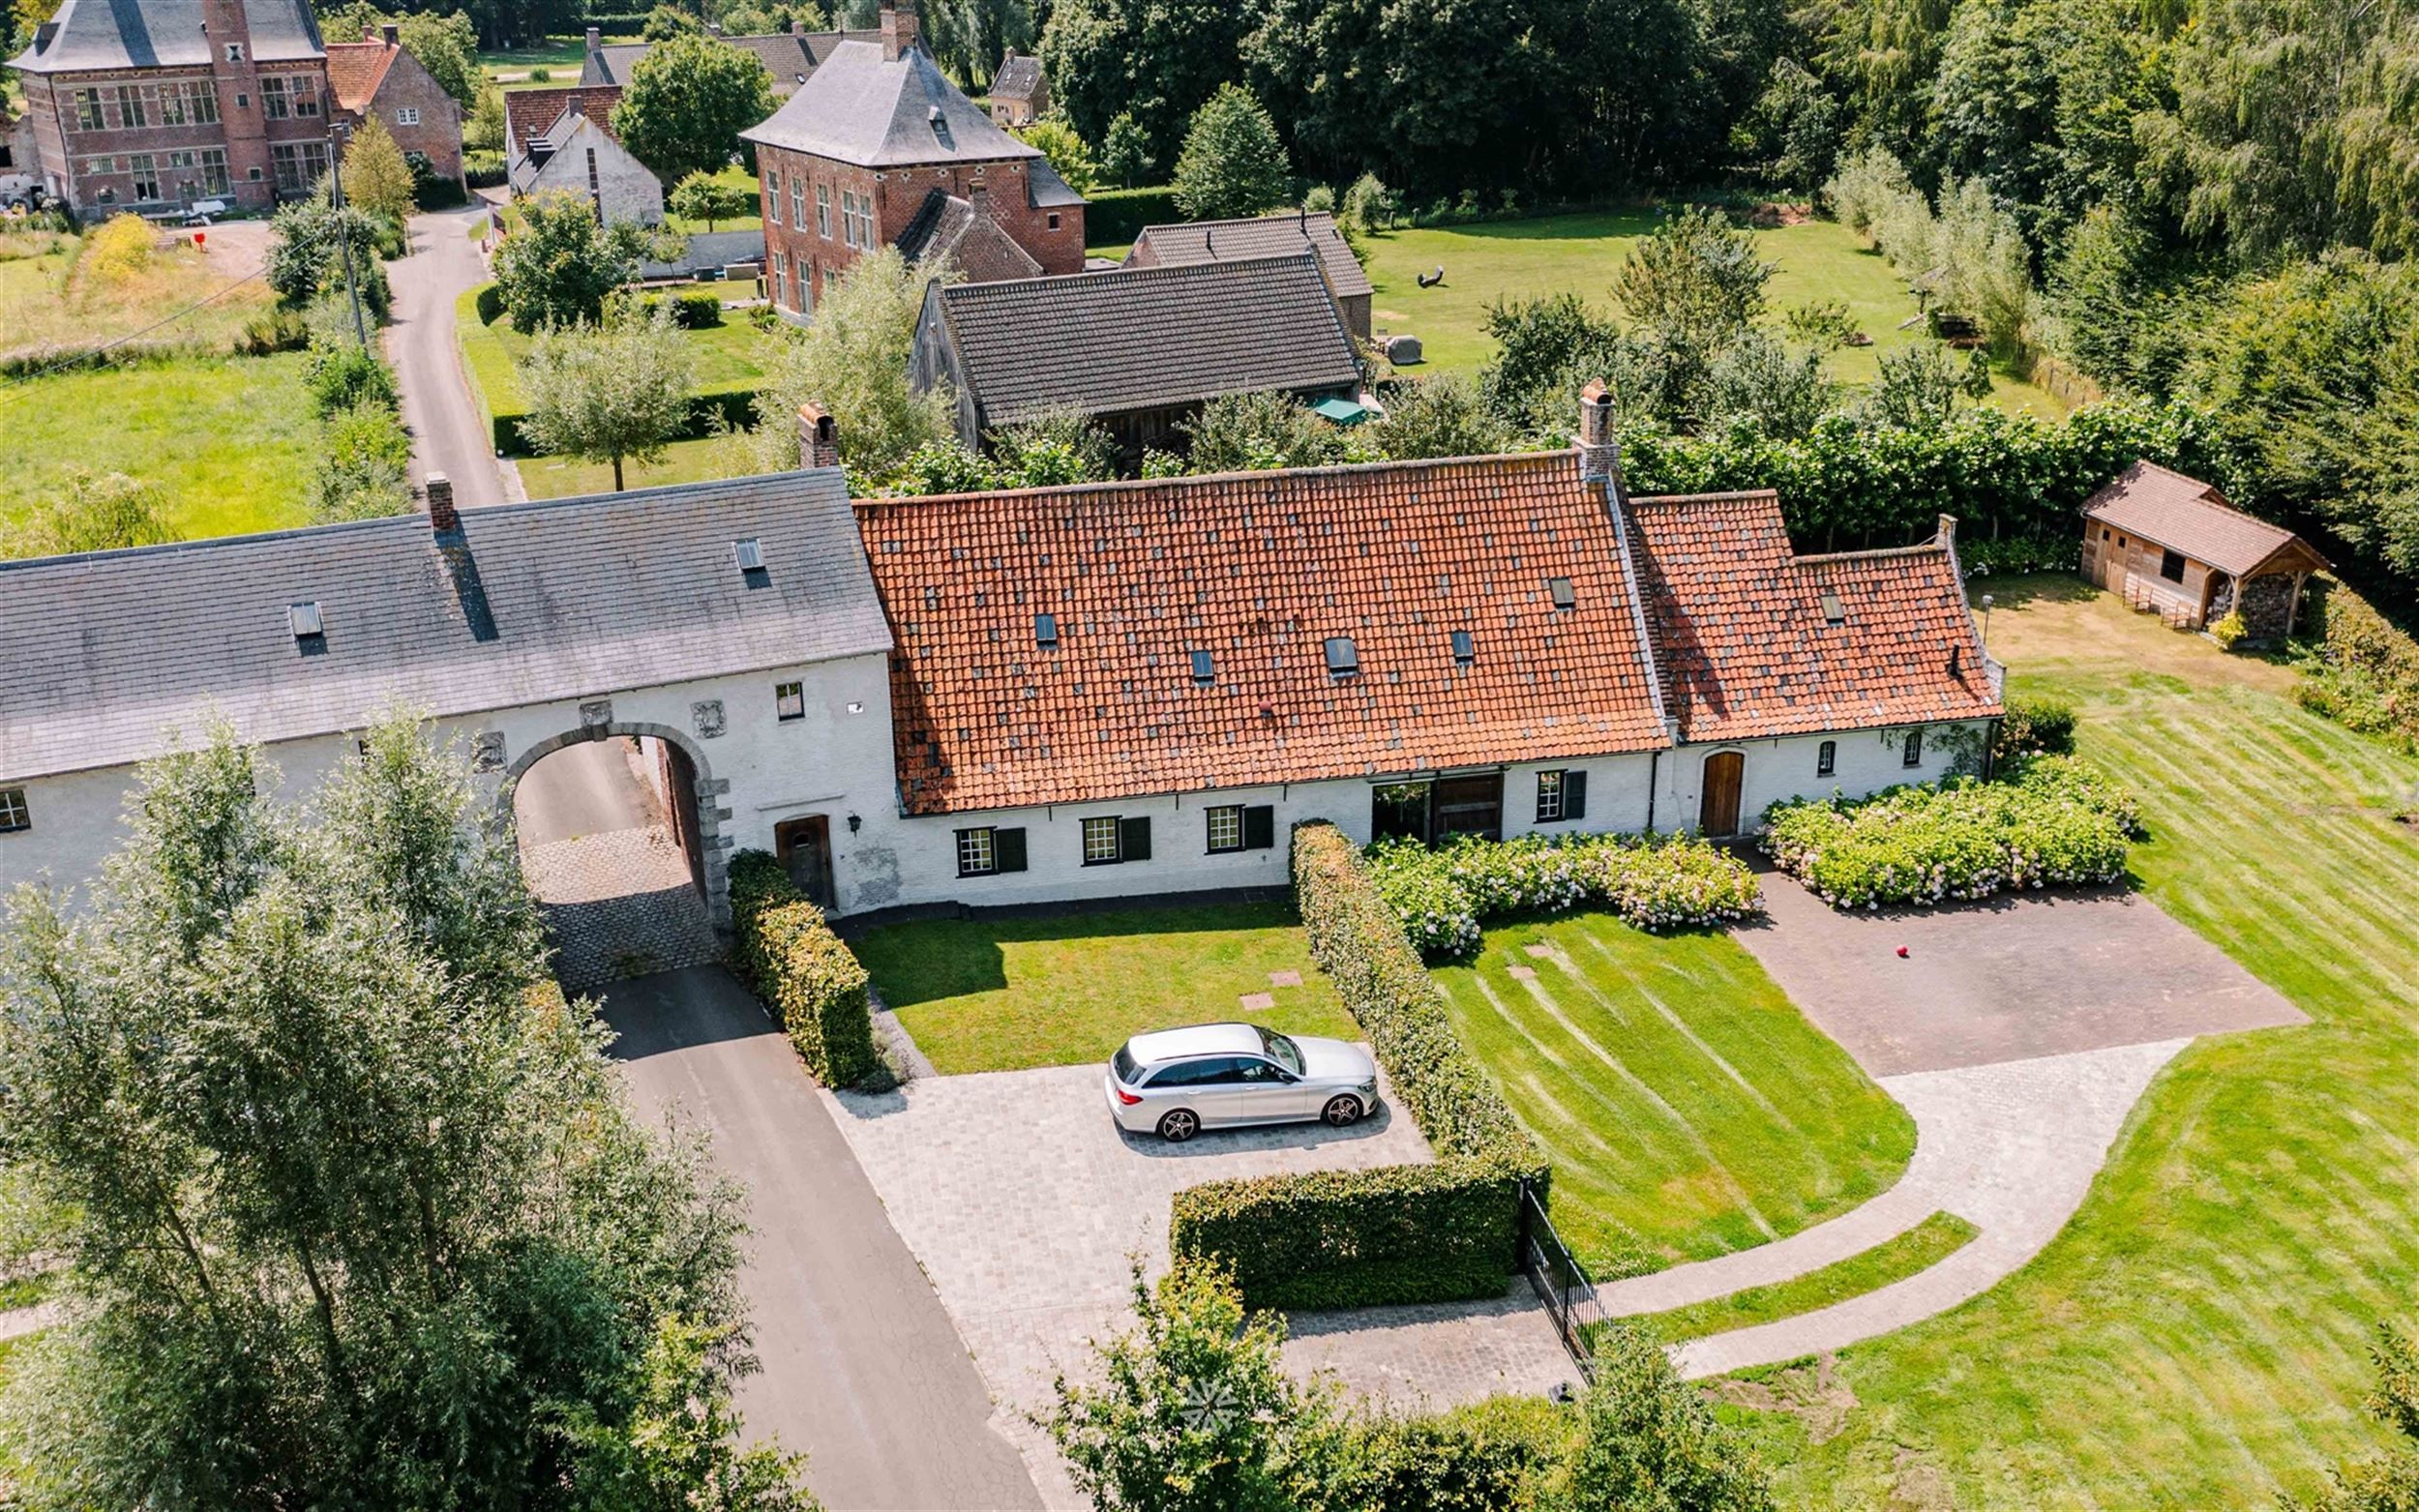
x: 228, y: 439
x: 2197, y: 1337
x: 684, y: 462
x: 738, y: 178
x: 51, y: 300
x: 560, y: 57
x: 1688, y: 1108
x: 1896, y: 1259
x: 1007, y: 994
x: 1583, y: 254
x: 729, y: 356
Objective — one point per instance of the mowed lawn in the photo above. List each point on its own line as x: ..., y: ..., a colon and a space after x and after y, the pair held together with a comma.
x: 1689, y: 1108
x: 228, y: 440
x: 2199, y: 1336
x: 1584, y: 254
x: 702, y: 460
x: 1005, y: 993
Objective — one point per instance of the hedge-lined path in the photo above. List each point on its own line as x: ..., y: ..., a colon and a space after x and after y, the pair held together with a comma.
x: 861, y: 1367
x: 1026, y: 1205
x: 449, y: 432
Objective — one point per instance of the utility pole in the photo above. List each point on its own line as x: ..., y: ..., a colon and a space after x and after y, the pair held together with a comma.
x: 343, y: 243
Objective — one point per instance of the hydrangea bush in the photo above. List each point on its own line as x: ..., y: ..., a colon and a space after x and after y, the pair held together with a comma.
x: 1442, y: 896
x: 2054, y: 821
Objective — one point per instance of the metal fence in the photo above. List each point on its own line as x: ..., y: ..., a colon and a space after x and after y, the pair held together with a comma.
x: 1558, y: 1277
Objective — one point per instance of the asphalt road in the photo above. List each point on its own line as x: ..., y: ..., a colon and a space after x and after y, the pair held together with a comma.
x: 449, y: 433
x: 588, y: 788
x: 862, y: 1368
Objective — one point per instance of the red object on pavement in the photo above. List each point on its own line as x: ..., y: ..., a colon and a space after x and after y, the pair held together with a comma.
x: 1902, y: 953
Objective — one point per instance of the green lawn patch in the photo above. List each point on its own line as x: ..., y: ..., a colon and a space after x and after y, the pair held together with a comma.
x: 228, y: 440
x: 1896, y: 1259
x: 1689, y: 1108
x: 1005, y: 993
x: 701, y: 460
x: 738, y: 178
x: 1583, y: 254
x: 2198, y: 1335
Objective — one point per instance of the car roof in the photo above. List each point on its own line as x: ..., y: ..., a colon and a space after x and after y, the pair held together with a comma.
x: 1201, y: 1039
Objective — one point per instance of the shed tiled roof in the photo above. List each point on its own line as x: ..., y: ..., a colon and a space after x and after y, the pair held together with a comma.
x: 1742, y: 639
x: 947, y: 226
x: 880, y: 112
x: 2189, y: 515
x: 1017, y: 77
x: 1262, y: 236
x: 565, y: 599
x: 122, y: 34
x: 356, y: 70
x: 1258, y: 569
x: 1117, y: 341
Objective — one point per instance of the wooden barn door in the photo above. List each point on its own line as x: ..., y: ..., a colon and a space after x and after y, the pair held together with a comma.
x: 1717, y: 811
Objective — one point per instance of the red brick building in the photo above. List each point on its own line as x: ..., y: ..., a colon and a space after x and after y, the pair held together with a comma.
x: 381, y: 79
x: 156, y: 106
x: 849, y: 163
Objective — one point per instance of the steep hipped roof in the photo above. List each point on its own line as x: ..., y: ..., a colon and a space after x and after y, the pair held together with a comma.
x: 565, y: 599
x: 1115, y: 342
x: 1017, y: 78
x: 947, y: 226
x: 356, y: 70
x: 2189, y: 515
x: 1264, y: 236
x: 1742, y: 636
x: 1259, y: 570
x: 785, y: 55
x: 877, y: 112
x: 121, y: 34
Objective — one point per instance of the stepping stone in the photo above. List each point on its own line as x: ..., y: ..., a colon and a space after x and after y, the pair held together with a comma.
x: 1542, y: 952
x: 1259, y: 1002
x: 1285, y: 979
x: 1524, y: 974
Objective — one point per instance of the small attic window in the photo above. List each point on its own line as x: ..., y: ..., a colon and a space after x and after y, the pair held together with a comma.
x: 304, y: 620
x: 1045, y: 630
x: 1465, y: 648
x: 1204, y: 669
x: 1343, y: 660
x: 750, y: 554
x: 1835, y: 612
x: 1564, y: 597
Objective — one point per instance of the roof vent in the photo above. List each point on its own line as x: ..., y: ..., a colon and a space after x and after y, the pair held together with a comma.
x: 1204, y: 669
x: 311, y: 632
x: 1563, y: 595
x: 1465, y: 648
x: 1342, y: 659
x: 1835, y: 612
x: 1045, y: 630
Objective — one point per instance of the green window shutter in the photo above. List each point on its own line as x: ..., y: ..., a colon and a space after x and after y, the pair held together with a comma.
x: 1133, y: 839
x: 1574, y: 795
x: 1007, y: 850
x: 1260, y: 827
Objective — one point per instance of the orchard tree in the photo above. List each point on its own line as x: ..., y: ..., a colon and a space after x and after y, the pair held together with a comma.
x: 1234, y: 162
x: 705, y: 197
x: 87, y: 510
x: 687, y: 102
x: 351, y: 1211
x: 611, y: 391
x: 377, y: 178
x: 853, y: 360
x: 558, y: 267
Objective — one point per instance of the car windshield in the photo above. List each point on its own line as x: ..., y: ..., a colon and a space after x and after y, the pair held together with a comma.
x: 1123, y: 1066
x: 1284, y: 1051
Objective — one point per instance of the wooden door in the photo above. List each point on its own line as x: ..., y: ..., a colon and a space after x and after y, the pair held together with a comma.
x: 804, y: 848
x: 1470, y: 806
x: 1717, y: 811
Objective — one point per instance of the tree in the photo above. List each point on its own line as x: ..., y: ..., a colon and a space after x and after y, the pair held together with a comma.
x: 2387, y: 1482
x: 377, y: 178
x: 1125, y: 151
x: 92, y: 512
x: 558, y: 267
x: 351, y: 1209
x: 613, y: 391
x: 1650, y: 1443
x: 666, y: 22
x: 1441, y: 416
x: 969, y: 36
x: 1253, y: 432
x: 1692, y: 286
x: 1232, y: 164
x: 686, y: 102
x: 1545, y: 349
x: 308, y: 242
x: 853, y: 360
x: 1918, y: 389
x: 446, y: 46
x: 1066, y: 151
x: 704, y: 196
x: 1776, y: 388
x: 1152, y: 60
x: 361, y: 473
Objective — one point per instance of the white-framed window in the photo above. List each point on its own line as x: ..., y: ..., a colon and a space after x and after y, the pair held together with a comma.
x: 798, y: 202
x: 273, y: 102
x: 773, y: 198
x: 822, y: 210
x: 1827, y: 759
x: 788, y: 701
x: 1549, y: 797
x: 1100, y: 842
x: 977, y: 855
x: 1226, y: 827
x: 14, y: 814
x: 407, y: 115
x: 305, y: 95
x: 780, y: 278
x: 1913, y: 755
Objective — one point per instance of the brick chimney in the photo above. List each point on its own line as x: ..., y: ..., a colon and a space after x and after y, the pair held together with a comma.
x: 978, y: 194
x: 1946, y: 532
x: 818, y: 437
x: 1600, y: 454
x: 596, y: 38
x: 898, y: 28
x: 443, y: 518
x: 390, y: 34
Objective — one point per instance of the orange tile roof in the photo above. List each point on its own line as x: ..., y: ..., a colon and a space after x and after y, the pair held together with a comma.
x: 356, y: 70
x: 2189, y: 515
x: 1258, y: 569
x: 1742, y: 639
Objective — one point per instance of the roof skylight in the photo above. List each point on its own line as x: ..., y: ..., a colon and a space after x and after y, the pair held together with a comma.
x: 1204, y: 669
x: 1045, y: 630
x: 750, y: 554
x: 1464, y: 648
x: 304, y: 619
x: 1343, y: 660
x: 1835, y: 612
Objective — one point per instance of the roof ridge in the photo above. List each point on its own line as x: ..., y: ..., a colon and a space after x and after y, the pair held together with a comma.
x: 1870, y: 553
x: 1092, y: 276
x: 1724, y: 496
x: 1191, y: 479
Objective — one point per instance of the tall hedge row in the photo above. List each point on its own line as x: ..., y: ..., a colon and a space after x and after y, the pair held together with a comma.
x: 1446, y: 1232
x: 793, y: 961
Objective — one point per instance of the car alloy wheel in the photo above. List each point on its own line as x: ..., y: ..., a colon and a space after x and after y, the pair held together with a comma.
x: 1178, y: 1125
x: 1342, y: 1112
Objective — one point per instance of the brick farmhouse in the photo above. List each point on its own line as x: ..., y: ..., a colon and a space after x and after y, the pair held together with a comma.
x: 870, y: 142
x: 381, y: 79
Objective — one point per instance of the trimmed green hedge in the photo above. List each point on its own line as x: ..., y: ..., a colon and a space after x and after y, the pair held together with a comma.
x: 1113, y: 217
x: 1446, y: 1232
x: 798, y: 965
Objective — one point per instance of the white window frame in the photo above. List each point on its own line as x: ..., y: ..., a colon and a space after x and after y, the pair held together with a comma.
x: 822, y: 210
x: 275, y: 105
x: 1827, y: 759
x: 978, y: 853
x: 1104, y: 839
x: 89, y: 115
x: 773, y: 198
x: 788, y: 701
x: 1550, y: 796
x: 797, y: 201
x: 1227, y: 818
x: 407, y: 115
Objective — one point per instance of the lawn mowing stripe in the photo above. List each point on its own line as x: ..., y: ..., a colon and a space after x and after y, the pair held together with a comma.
x: 1707, y: 1051
x: 1628, y: 1117
x: 1894, y: 1260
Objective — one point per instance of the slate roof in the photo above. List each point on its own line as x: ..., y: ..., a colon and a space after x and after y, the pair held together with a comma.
x: 356, y: 70
x: 1258, y: 569
x: 121, y: 34
x: 1116, y: 341
x: 863, y: 108
x: 1017, y: 77
x: 945, y: 226
x: 584, y: 597
x: 2189, y: 515
x: 786, y: 56
x: 1264, y: 236
x: 1741, y: 636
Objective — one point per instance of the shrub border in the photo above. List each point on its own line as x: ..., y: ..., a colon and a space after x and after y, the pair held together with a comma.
x: 815, y: 985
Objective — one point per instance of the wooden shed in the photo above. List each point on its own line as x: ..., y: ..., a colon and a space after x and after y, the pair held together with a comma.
x: 2172, y: 546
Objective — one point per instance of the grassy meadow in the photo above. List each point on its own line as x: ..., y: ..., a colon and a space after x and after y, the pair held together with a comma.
x: 50, y: 296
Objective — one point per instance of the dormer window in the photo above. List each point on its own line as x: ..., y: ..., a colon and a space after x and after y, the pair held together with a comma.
x: 1343, y: 660
x: 1563, y: 594
x: 1835, y: 612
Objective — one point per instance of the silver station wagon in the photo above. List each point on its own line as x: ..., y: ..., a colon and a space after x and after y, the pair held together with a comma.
x: 1179, y: 1082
